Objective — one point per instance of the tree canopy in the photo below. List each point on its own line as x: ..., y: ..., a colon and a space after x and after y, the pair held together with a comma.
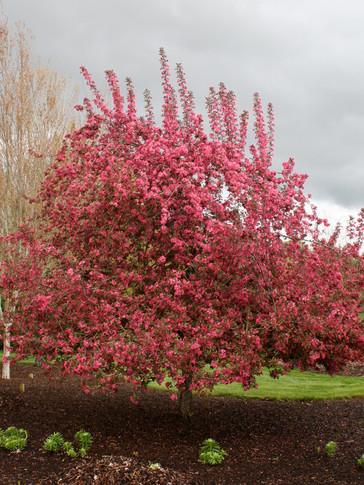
x: 36, y: 110
x: 167, y: 251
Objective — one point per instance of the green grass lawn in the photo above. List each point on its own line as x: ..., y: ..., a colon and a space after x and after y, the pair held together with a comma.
x: 29, y: 360
x: 295, y: 386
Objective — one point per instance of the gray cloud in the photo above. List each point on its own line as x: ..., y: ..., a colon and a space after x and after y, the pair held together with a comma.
x: 305, y: 57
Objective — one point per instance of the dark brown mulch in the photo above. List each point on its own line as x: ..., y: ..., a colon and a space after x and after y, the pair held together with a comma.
x: 267, y: 442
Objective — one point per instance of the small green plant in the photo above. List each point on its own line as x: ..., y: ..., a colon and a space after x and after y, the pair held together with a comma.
x: 54, y: 442
x: 82, y: 452
x: 13, y: 439
x: 361, y: 461
x: 211, y: 453
x: 68, y: 448
x: 84, y: 439
x: 155, y: 466
x: 331, y: 448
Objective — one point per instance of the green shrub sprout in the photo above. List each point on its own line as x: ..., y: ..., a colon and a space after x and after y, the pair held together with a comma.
x: 211, y: 453
x: 13, y: 439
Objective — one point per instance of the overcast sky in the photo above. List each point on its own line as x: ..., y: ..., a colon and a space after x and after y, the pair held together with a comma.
x: 307, y: 58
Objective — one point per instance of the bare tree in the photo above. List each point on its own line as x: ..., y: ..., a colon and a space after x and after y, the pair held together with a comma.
x: 36, y: 110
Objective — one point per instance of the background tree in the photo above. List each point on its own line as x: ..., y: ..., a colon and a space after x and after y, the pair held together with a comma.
x: 165, y: 252
x: 36, y: 109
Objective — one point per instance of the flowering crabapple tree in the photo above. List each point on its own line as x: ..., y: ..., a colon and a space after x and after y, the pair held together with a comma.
x: 167, y: 252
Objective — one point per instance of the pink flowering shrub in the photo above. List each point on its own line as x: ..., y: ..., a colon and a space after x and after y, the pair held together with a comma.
x: 160, y: 250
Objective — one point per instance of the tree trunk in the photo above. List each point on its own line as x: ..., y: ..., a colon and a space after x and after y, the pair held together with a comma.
x: 6, y: 345
x: 185, y: 400
x: 6, y: 355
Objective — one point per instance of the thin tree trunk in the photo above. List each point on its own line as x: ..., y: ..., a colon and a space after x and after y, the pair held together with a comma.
x: 6, y: 355
x: 185, y: 400
x: 6, y: 345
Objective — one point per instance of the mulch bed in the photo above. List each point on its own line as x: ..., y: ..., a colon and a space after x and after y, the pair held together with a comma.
x: 267, y: 442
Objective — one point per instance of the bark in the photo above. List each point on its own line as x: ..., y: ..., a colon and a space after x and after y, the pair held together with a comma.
x: 6, y: 346
x: 185, y: 400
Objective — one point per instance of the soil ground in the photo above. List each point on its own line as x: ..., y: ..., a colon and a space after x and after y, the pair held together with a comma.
x: 268, y: 442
